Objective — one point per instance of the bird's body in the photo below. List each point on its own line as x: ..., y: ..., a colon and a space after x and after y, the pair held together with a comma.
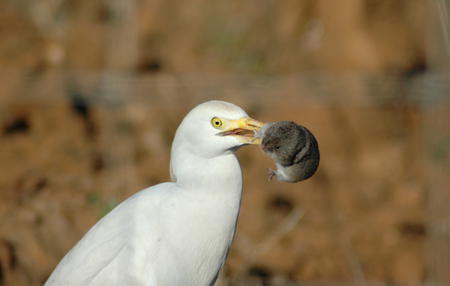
x: 175, y: 233
x: 294, y: 149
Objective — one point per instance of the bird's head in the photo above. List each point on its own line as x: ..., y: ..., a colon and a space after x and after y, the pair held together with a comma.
x: 216, y: 127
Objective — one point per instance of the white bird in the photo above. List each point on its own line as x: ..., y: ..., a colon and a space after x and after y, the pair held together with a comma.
x: 175, y: 233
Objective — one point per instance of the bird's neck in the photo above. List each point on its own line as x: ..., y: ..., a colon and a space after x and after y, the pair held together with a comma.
x: 207, y: 207
x: 191, y: 171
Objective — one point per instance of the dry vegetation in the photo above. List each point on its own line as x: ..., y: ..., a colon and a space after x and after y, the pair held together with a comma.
x: 204, y: 36
x: 74, y: 144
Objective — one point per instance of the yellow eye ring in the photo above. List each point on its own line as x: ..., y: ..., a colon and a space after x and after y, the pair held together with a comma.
x: 216, y: 122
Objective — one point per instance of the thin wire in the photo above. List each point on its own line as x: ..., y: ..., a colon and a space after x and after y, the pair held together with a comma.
x: 443, y: 17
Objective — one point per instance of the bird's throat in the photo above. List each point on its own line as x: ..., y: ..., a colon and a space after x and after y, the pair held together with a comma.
x: 217, y: 173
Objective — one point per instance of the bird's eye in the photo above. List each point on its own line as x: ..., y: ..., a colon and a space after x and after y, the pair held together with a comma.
x: 216, y: 122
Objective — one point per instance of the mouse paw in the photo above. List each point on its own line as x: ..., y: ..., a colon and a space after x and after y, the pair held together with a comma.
x: 270, y: 174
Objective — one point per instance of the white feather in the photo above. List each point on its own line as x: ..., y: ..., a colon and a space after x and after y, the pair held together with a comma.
x: 176, y: 233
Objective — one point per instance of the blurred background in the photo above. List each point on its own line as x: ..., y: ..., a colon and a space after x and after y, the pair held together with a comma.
x: 91, y: 93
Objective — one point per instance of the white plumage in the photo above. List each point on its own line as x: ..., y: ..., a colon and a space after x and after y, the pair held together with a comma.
x: 175, y: 233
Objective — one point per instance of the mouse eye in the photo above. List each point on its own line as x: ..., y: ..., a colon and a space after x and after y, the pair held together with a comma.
x: 216, y: 122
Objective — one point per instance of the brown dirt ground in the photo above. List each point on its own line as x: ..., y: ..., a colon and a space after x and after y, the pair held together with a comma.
x: 63, y: 163
x: 360, y: 218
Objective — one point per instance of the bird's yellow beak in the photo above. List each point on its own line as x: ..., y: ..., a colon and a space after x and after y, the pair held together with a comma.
x: 244, y: 129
